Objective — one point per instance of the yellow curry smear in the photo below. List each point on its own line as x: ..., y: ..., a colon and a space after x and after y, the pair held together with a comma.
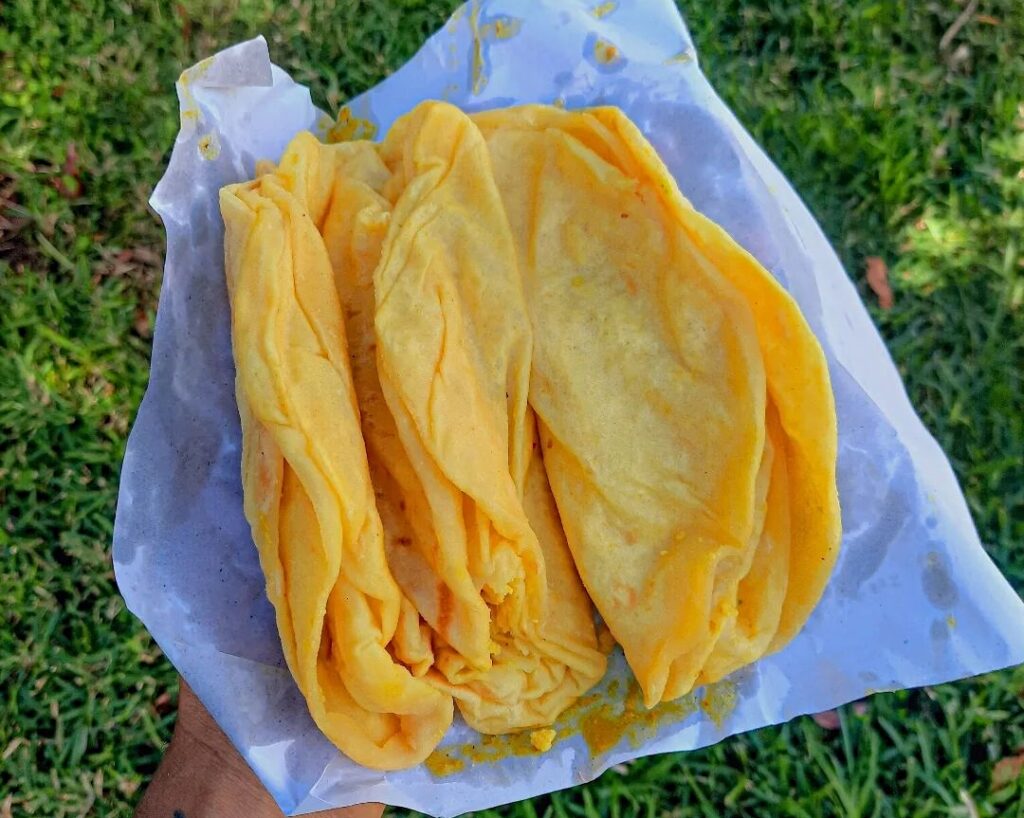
x: 349, y: 127
x: 448, y: 760
x: 604, y: 719
x: 444, y: 762
x: 604, y: 9
x: 608, y: 724
x: 491, y: 748
x: 719, y: 701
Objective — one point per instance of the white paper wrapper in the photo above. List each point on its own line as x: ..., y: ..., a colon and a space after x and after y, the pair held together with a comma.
x: 914, y: 599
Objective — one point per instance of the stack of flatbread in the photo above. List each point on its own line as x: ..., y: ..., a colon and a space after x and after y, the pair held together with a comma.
x: 496, y: 372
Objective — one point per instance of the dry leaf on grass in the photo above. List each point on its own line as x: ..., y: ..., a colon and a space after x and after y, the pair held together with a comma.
x: 186, y: 21
x: 1007, y: 770
x: 829, y: 720
x: 69, y: 182
x: 963, y: 19
x: 142, y: 324
x: 128, y: 787
x: 12, y: 747
x: 162, y: 703
x: 878, y: 281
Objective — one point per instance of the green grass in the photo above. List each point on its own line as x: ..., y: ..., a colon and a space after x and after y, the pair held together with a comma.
x: 902, y: 149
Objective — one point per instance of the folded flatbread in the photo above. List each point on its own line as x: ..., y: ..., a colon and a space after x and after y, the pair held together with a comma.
x: 308, y: 495
x: 658, y: 344
x: 454, y: 347
x: 488, y: 358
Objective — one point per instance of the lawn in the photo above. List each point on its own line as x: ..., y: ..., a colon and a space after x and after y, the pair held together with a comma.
x: 902, y: 124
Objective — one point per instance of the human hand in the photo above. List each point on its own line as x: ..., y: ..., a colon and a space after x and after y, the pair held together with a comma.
x: 203, y: 776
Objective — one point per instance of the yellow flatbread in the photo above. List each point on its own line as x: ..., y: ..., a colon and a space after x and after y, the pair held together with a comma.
x: 453, y: 353
x: 307, y: 489
x: 751, y: 627
x: 798, y: 386
x: 647, y: 381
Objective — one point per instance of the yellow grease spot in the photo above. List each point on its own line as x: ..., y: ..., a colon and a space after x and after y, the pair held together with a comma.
x: 683, y: 56
x: 201, y: 68
x: 719, y: 701
x: 951, y: 621
x: 189, y: 109
x: 349, y: 127
x: 606, y: 52
x: 196, y: 72
x: 604, y: 9
x: 543, y: 739
x: 453, y: 21
x: 443, y: 762
x: 209, y: 146
x: 502, y: 28
x: 477, y: 69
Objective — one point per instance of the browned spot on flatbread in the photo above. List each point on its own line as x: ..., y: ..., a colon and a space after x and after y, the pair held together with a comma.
x: 445, y: 608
